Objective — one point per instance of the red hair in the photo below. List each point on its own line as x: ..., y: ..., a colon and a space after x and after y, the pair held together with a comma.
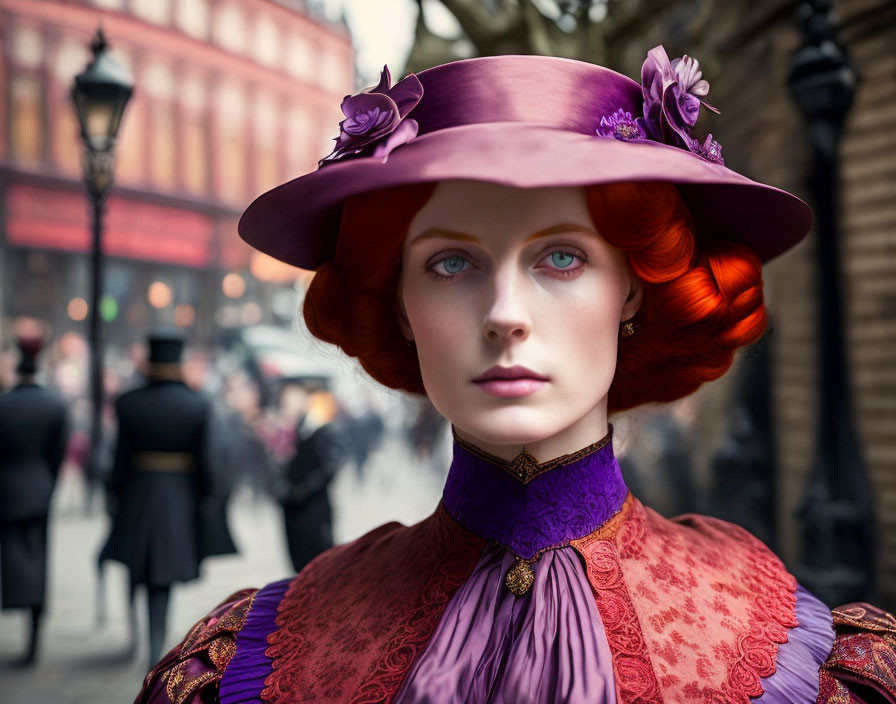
x: 702, y: 299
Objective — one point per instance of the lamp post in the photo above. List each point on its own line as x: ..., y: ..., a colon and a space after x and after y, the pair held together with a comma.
x: 837, y: 554
x: 100, y: 93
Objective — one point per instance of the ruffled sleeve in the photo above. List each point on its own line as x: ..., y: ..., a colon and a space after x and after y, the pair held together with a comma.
x: 795, y: 680
x: 192, y: 671
x: 244, y: 678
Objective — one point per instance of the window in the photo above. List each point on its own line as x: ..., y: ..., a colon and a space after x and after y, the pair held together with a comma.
x: 229, y: 28
x: 157, y: 11
x: 191, y: 16
x: 266, y: 45
x: 27, y: 119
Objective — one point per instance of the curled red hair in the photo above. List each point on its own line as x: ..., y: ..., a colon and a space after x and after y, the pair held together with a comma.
x: 702, y: 299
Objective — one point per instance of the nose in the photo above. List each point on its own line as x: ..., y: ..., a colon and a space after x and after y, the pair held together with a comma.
x: 507, y: 317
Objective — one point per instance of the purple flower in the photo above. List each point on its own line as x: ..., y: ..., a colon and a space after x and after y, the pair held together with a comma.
x: 374, y: 121
x: 709, y: 149
x: 673, y: 92
x: 621, y: 125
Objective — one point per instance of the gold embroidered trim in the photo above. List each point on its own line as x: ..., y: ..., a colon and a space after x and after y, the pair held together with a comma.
x: 609, y: 528
x: 521, y: 575
x: 524, y: 466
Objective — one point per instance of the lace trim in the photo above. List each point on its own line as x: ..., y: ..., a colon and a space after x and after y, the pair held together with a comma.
x: 748, y: 577
x: 772, y: 593
x: 635, y: 678
x: 383, y: 637
x: 524, y: 467
x: 461, y: 552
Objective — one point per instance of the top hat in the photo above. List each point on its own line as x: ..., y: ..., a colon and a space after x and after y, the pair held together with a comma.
x: 526, y: 121
x: 165, y: 346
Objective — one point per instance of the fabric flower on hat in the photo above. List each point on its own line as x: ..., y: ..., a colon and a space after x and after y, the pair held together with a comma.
x: 673, y: 92
x: 621, y: 125
x: 376, y: 119
x: 709, y: 149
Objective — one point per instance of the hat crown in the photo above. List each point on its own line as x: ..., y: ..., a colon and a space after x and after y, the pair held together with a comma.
x: 564, y: 93
x: 165, y: 347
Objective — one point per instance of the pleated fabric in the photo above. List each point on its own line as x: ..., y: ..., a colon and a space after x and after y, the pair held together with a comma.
x: 795, y: 680
x: 546, y: 647
x: 243, y: 680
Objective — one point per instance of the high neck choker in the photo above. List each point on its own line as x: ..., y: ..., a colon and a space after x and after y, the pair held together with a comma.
x: 528, y: 506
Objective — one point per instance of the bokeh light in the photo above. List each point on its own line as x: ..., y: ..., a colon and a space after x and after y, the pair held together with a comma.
x: 265, y: 268
x: 77, y: 309
x: 233, y: 285
x: 159, y: 294
x: 108, y: 308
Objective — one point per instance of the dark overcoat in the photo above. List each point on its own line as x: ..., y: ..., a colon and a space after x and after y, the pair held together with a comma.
x: 167, y: 510
x: 33, y: 437
x: 307, y: 512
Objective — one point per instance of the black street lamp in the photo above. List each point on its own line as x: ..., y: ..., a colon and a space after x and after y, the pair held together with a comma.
x: 100, y: 94
x: 836, y: 563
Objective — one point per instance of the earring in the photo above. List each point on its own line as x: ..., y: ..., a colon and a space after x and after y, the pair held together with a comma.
x: 627, y: 329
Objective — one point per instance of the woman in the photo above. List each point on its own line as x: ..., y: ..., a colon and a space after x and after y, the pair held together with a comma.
x: 534, y: 243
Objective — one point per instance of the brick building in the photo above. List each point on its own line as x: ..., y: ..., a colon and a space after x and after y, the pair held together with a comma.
x: 231, y: 98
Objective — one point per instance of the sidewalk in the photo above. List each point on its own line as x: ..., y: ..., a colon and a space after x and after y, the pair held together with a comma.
x: 82, y: 663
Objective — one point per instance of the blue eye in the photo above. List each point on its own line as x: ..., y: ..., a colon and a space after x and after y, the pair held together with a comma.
x: 562, y: 260
x: 453, y: 264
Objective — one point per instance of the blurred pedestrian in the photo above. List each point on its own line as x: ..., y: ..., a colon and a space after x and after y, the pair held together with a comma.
x: 33, y: 436
x: 240, y: 445
x: 167, y: 511
x: 365, y: 436
x: 320, y: 450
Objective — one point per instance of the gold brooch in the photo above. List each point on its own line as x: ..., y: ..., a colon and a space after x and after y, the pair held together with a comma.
x: 524, y: 466
x: 520, y: 577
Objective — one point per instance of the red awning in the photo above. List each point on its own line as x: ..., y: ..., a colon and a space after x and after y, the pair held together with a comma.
x: 47, y: 218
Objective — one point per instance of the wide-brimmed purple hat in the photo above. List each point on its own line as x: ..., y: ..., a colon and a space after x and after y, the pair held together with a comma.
x: 526, y: 121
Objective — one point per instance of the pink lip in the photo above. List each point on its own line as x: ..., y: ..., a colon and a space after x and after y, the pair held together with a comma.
x: 510, y: 382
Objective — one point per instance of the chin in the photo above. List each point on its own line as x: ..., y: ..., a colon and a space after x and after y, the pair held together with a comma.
x: 508, y: 426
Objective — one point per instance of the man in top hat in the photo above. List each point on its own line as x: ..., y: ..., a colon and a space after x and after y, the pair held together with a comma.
x: 33, y: 436
x: 161, y: 488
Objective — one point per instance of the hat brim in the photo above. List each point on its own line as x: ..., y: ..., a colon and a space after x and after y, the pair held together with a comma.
x: 298, y: 221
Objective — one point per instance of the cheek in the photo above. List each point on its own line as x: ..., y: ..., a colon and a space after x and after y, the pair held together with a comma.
x: 429, y: 317
x: 586, y: 330
x: 439, y: 326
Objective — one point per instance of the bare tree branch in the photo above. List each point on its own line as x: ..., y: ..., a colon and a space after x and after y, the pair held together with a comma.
x: 520, y: 27
x: 480, y: 25
x: 428, y: 49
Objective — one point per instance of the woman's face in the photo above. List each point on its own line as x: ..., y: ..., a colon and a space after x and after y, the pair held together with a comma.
x: 514, y: 303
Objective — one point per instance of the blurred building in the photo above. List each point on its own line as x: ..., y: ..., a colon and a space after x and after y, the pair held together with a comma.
x: 231, y: 98
x: 745, y: 49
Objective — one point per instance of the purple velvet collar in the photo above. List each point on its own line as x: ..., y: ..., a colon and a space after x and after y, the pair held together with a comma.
x: 528, y: 507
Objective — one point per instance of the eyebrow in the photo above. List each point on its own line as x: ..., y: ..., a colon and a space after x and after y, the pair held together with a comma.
x: 438, y: 232
x: 562, y: 228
